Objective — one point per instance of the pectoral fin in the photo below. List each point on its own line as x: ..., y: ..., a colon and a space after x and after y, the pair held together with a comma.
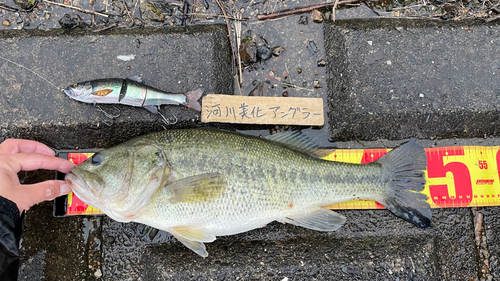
x: 193, y: 238
x: 200, y: 188
x: 152, y: 108
x: 321, y: 220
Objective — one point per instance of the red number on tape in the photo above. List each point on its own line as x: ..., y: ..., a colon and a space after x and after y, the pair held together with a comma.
x: 461, y: 177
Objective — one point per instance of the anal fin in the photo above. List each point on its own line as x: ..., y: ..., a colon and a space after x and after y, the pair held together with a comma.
x: 320, y: 219
x: 193, y: 238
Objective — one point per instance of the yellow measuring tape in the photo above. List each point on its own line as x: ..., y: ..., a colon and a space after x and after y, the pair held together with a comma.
x: 457, y: 176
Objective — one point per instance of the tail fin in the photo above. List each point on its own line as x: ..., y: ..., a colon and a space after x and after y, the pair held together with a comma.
x: 403, y: 168
x: 192, y: 98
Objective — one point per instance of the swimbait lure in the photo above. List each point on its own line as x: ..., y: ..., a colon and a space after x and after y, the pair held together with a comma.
x: 130, y: 91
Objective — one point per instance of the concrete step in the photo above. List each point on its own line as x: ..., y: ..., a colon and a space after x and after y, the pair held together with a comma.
x: 176, y: 60
x: 395, y: 78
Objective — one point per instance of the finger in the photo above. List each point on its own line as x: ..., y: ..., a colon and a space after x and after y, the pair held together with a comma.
x: 29, y: 195
x: 12, y: 146
x: 30, y: 162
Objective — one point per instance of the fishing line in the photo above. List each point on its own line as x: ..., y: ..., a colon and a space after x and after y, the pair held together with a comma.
x: 40, y: 76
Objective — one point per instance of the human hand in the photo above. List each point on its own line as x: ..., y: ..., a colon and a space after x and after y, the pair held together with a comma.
x: 24, y: 155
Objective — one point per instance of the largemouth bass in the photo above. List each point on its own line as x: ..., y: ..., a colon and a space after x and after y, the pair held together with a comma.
x: 130, y: 91
x: 198, y: 184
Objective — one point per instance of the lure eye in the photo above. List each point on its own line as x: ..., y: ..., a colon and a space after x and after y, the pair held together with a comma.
x: 75, y: 85
x: 96, y: 159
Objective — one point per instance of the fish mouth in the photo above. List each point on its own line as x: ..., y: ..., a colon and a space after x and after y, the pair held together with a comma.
x: 69, y: 92
x: 79, y: 186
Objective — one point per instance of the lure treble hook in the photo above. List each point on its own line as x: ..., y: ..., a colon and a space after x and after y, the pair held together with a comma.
x: 165, y: 120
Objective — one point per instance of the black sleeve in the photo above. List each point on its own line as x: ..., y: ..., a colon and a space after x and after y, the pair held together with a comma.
x: 11, y: 229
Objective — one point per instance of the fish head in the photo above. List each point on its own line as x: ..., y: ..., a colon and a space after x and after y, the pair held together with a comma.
x: 79, y: 90
x: 121, y: 180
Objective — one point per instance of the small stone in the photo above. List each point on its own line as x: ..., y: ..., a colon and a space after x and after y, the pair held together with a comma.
x: 321, y: 63
x: 68, y: 22
x: 299, y: 70
x: 313, y: 49
x: 303, y: 20
x: 285, y: 94
x: 264, y: 52
x: 317, y: 85
x: 285, y: 74
x: 278, y: 50
x: 317, y: 16
x: 6, y: 23
x: 47, y: 16
x: 98, y: 273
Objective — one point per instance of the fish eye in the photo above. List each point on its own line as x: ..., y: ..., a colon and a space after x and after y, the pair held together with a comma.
x: 96, y: 159
x: 75, y: 85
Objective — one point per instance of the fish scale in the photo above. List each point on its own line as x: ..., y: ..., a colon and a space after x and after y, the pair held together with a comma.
x: 208, y: 183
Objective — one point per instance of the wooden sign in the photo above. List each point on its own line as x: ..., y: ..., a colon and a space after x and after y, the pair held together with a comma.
x: 263, y: 110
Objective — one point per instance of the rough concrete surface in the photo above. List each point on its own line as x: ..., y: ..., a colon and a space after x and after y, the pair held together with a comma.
x: 442, y: 77
x: 413, y: 78
x: 176, y: 60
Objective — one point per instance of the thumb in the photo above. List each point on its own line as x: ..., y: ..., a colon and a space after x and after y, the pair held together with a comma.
x: 31, y: 194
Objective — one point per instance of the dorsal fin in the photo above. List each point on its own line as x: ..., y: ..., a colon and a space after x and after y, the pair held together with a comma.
x: 135, y: 78
x: 299, y: 141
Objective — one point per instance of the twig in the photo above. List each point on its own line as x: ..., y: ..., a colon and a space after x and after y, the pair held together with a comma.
x: 217, y: 16
x: 193, y: 12
x: 409, y: 7
x: 7, y: 8
x: 495, y: 17
x: 11, y: 9
x: 135, y: 6
x: 237, y: 31
x: 295, y: 86
x: 76, y: 8
x: 126, y: 9
x: 228, y: 33
x: 334, y: 8
x: 304, y: 9
x: 106, y: 28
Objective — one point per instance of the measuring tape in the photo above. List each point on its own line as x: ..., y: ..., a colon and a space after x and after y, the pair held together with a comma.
x: 456, y: 176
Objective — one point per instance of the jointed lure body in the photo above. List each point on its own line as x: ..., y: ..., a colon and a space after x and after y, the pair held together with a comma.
x: 130, y: 91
